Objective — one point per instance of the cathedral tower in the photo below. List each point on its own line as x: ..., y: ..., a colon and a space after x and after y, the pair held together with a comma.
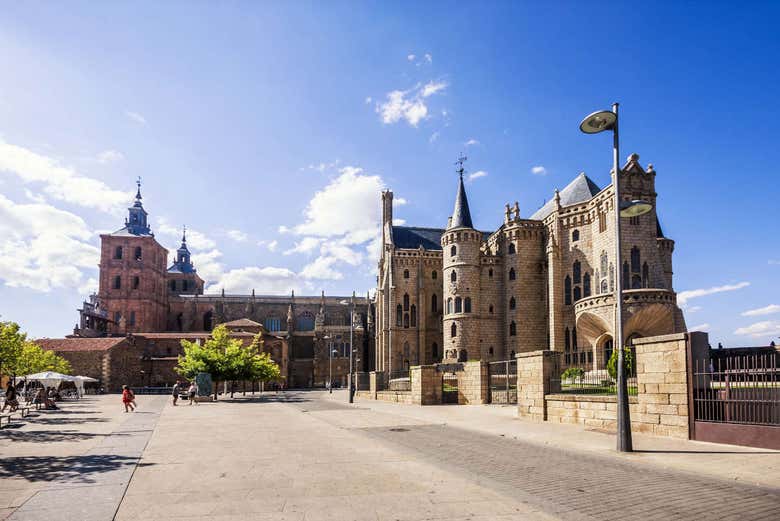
x: 183, y: 278
x: 461, y: 266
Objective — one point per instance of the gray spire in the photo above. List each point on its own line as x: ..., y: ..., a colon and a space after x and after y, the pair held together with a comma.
x: 461, y: 216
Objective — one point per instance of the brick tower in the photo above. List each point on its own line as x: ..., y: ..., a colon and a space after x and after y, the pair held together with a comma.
x: 461, y: 266
x: 132, y: 275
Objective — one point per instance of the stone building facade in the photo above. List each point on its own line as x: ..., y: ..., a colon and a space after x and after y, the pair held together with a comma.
x: 139, y: 296
x: 542, y: 282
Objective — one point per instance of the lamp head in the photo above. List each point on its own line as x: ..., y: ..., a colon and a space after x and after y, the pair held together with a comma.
x: 635, y: 208
x: 598, y: 122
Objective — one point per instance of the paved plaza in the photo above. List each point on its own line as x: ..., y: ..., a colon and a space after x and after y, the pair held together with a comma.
x: 310, y: 456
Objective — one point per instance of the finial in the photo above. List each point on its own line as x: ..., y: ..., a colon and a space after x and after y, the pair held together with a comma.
x: 650, y: 168
x: 184, y: 234
x: 459, y: 162
x: 223, y: 292
x: 633, y: 157
x: 253, y: 292
x: 138, y: 183
x: 516, y: 210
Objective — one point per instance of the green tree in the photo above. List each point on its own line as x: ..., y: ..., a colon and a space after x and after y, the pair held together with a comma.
x: 628, y: 359
x: 11, y: 343
x: 34, y: 359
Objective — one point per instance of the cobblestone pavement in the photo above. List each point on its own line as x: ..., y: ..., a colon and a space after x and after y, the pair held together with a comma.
x: 580, y: 486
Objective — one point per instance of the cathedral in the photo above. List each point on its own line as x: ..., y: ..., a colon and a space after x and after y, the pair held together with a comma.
x: 545, y: 281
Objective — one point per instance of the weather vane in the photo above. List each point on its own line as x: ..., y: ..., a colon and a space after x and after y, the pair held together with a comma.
x: 459, y: 162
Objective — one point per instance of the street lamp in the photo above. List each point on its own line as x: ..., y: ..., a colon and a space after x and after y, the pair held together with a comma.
x: 331, y: 352
x: 592, y: 124
x: 350, y: 385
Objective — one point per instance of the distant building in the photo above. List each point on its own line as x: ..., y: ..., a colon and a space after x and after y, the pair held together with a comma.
x: 541, y: 282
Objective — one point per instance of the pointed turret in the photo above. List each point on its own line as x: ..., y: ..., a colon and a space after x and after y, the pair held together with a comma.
x: 461, y: 216
x: 183, y: 262
x: 136, y: 222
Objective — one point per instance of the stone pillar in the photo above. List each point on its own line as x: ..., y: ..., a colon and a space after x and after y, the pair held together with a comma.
x: 376, y: 382
x: 534, y: 371
x: 426, y: 385
x: 473, y: 383
x: 662, y: 381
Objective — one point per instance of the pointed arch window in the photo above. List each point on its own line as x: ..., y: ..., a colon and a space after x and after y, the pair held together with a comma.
x: 611, y: 277
x: 449, y: 305
x: 453, y: 276
x: 434, y: 303
x: 399, y: 315
x: 512, y: 328
x: 434, y: 275
x: 458, y: 305
x: 512, y: 303
x: 586, y: 285
x: 453, y: 251
x: 636, y: 282
x: 604, y: 260
x: 453, y: 330
x: 626, y: 280
x: 406, y: 320
x: 604, y: 286
x: 512, y: 274
x: 512, y: 248
x: 567, y: 291
x: 635, y: 260
x: 577, y: 293
x: 413, y: 315
x: 574, y: 339
x: 567, y: 340
x: 467, y: 305
x: 406, y: 302
x: 406, y: 274
x: 645, y: 276
x: 577, y: 272
x: 575, y: 236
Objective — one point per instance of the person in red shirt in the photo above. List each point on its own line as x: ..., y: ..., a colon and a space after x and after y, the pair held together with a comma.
x: 128, y: 398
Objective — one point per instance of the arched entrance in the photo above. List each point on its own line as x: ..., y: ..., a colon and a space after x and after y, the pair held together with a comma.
x: 605, y: 345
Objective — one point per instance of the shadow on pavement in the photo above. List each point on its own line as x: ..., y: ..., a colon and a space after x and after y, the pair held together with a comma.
x: 744, y: 452
x: 79, y: 469
x: 51, y: 436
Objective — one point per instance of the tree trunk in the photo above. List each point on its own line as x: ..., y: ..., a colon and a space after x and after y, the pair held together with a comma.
x: 232, y: 387
x: 216, y: 386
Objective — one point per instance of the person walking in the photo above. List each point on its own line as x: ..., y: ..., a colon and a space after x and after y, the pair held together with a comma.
x: 10, y: 398
x: 176, y: 391
x: 193, y: 392
x: 128, y: 398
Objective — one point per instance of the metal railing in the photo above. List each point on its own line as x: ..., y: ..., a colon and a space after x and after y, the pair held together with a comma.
x: 584, y: 379
x: 503, y: 381
x: 737, y: 389
x: 362, y: 381
x: 400, y: 380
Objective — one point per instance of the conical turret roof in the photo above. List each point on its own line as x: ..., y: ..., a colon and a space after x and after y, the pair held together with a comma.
x: 461, y: 216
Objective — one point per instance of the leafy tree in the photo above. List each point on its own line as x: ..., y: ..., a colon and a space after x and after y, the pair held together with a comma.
x: 11, y: 342
x: 34, y: 359
x: 628, y: 362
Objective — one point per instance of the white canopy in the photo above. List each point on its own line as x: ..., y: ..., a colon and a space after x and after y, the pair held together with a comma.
x: 49, y: 378
x: 86, y: 378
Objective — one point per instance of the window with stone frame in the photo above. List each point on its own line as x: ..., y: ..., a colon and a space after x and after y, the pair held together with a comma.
x: 118, y: 252
x: 136, y: 282
x: 406, y: 274
x: 567, y: 290
x: 512, y: 328
x: 636, y: 282
x: 490, y: 351
x: 458, y: 305
x: 435, y: 351
x: 490, y: 273
x: 453, y: 251
x: 467, y: 305
x: 490, y: 308
x: 511, y: 249
x: 172, y: 284
x: 413, y: 315
x: 604, y: 286
x: 399, y: 315
x: 449, y: 305
x: 453, y: 276
x: 611, y: 277
x: 575, y: 236
x: 577, y: 272
x: 131, y: 322
x: 185, y: 285
x: 434, y: 275
x: 634, y: 221
x: 453, y: 330
x: 626, y: 282
x: 635, y: 260
x: 305, y: 321
x: 138, y: 253
x: 406, y: 302
x: 645, y: 275
x: 577, y: 293
x: 117, y: 282
x: 512, y: 303
x: 512, y: 274
x: 434, y: 303
x: 406, y: 319
x: 117, y: 317
x: 603, y: 264
x: 586, y: 285
x: 602, y: 222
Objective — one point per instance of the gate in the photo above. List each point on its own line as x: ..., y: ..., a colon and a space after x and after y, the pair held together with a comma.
x: 449, y: 388
x: 736, y: 397
x: 503, y: 381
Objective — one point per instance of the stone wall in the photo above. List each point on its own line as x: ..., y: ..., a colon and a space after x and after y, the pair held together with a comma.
x: 473, y: 383
x: 534, y: 373
x: 426, y: 385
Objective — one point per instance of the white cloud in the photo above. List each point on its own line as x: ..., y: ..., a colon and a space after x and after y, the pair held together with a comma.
x: 409, y: 105
x: 766, y: 310
x: 273, y: 245
x: 284, y: 229
x: 428, y: 57
x: 135, y: 116
x: 208, y: 264
x: 433, y: 137
x: 43, y: 247
x: 36, y: 198
x: 700, y: 327
x: 765, y: 329
x: 684, y: 296
x: 322, y: 167
x: 477, y: 175
x: 237, y: 235
x: 692, y: 309
x: 538, y: 170
x: 774, y: 262
x: 399, y: 222
x: 471, y: 142
x: 89, y: 287
x: 411, y: 57
x: 195, y: 240
x: 306, y: 245
x: 369, y: 99
x: 109, y: 156
x: 60, y: 182
x: 268, y: 280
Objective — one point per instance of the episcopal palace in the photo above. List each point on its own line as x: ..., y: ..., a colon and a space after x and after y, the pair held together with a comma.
x: 448, y: 294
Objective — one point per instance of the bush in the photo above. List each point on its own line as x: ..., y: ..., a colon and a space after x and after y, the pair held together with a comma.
x: 573, y: 373
x: 628, y: 361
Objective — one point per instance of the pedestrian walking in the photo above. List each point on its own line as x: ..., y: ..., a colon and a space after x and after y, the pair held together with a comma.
x: 193, y: 392
x: 176, y: 390
x: 10, y: 398
x: 128, y: 398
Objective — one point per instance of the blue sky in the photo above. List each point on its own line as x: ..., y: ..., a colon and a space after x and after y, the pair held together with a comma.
x: 269, y: 128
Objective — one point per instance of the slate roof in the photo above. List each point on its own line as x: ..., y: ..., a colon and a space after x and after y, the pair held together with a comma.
x: 242, y: 322
x: 461, y: 215
x: 412, y: 238
x: 580, y: 190
x: 79, y: 344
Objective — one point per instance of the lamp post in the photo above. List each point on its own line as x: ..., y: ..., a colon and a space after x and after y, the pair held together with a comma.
x: 350, y: 384
x: 592, y: 124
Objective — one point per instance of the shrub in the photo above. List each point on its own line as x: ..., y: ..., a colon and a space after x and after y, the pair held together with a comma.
x: 628, y: 361
x: 573, y: 373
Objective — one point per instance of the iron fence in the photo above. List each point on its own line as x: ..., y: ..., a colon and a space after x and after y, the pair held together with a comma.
x: 449, y: 388
x: 585, y: 379
x: 503, y: 381
x: 400, y: 380
x: 362, y: 382
x: 737, y: 389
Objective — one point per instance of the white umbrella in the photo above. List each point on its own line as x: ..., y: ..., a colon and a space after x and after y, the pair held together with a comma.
x: 80, y: 380
x: 49, y: 378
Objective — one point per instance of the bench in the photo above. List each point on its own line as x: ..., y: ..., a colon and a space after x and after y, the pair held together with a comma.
x: 6, y: 418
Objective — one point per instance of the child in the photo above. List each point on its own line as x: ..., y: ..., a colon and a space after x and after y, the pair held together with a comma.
x: 192, y: 392
x: 127, y: 398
